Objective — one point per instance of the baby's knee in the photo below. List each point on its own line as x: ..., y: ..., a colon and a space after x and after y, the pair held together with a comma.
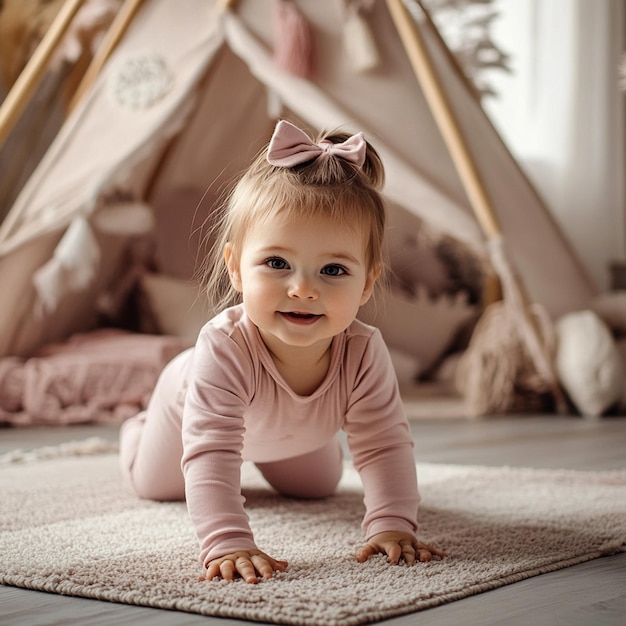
x: 306, y: 490
x: 149, y: 478
x: 317, y: 489
x: 157, y: 490
x: 306, y: 482
x: 154, y: 486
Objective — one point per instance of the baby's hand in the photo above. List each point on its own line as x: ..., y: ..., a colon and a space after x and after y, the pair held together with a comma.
x: 397, y: 546
x: 249, y: 565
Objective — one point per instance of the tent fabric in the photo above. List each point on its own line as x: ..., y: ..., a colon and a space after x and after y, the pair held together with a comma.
x: 211, y: 98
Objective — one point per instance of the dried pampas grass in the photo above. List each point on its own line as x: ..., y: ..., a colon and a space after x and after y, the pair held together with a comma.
x: 496, y: 374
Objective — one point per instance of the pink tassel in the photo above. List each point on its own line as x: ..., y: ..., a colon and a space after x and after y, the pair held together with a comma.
x: 293, y: 51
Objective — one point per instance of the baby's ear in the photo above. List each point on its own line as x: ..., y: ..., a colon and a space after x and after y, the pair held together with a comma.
x: 232, y: 263
x: 368, y: 289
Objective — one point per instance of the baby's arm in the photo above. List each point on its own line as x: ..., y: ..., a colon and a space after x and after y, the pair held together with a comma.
x: 213, y: 428
x: 382, y: 448
x: 391, y: 499
x: 215, y: 504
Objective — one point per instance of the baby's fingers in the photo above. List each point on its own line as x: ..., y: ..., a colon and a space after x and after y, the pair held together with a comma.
x: 399, y: 551
x: 212, y: 570
x: 364, y: 552
x: 426, y: 553
x: 227, y: 569
x: 404, y: 549
x: 392, y: 549
x: 248, y: 566
x: 245, y: 568
x: 266, y: 566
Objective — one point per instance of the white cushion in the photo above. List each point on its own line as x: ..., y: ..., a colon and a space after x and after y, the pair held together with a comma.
x: 588, y: 363
x: 176, y: 306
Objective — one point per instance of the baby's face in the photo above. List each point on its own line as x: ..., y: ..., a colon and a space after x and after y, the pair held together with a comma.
x: 302, y: 280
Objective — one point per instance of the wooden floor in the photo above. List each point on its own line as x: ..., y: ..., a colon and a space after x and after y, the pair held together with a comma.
x: 590, y: 594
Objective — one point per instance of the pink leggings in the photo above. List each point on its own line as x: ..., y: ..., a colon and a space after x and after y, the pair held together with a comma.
x: 151, y: 451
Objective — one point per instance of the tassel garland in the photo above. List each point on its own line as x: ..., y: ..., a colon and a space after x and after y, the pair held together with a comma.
x: 293, y: 47
x: 358, y: 39
x: 71, y: 268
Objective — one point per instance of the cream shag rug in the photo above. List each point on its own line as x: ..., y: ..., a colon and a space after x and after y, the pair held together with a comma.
x: 68, y: 526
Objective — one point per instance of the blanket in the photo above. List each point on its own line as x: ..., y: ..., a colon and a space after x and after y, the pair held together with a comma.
x: 105, y: 375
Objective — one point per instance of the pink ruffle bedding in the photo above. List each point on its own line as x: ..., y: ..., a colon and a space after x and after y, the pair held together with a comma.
x: 102, y: 376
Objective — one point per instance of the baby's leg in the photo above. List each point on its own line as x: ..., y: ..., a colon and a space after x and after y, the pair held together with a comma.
x: 150, y: 443
x: 312, y: 475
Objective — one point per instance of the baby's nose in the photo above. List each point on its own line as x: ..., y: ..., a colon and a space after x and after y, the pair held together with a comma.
x: 304, y: 288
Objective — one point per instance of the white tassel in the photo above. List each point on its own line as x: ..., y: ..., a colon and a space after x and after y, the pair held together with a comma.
x: 274, y: 104
x: 48, y: 281
x: 78, y: 253
x: 72, y: 267
x: 359, y: 41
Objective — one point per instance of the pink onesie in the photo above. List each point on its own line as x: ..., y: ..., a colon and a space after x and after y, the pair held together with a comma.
x: 230, y: 403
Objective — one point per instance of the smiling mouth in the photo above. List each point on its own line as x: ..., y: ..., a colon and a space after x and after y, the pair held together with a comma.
x: 300, y: 318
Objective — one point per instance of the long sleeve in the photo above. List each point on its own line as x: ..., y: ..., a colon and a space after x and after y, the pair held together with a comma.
x: 237, y: 406
x: 213, y: 429
x: 381, y: 445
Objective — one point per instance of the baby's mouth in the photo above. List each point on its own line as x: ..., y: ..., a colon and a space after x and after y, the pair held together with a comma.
x: 300, y: 318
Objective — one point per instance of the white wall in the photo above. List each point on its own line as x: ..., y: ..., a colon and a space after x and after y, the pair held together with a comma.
x: 562, y: 115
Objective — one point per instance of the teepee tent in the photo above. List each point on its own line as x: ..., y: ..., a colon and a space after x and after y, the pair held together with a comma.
x: 188, y: 96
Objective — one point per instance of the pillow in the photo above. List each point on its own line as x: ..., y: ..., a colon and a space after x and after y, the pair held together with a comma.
x: 132, y: 219
x: 588, y: 362
x: 405, y: 366
x: 176, y: 306
x: 421, y: 327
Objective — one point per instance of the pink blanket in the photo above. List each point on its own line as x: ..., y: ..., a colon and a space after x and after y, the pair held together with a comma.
x: 106, y: 375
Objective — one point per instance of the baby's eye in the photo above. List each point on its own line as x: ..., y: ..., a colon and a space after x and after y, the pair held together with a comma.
x: 276, y: 263
x: 334, y: 270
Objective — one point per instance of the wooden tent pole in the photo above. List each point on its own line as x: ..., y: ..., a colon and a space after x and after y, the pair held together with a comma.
x: 113, y: 36
x: 454, y: 61
x: 475, y: 190
x: 226, y: 5
x: 444, y: 117
x: 26, y: 83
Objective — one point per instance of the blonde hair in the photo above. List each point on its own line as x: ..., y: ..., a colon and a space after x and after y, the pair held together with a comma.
x: 330, y: 187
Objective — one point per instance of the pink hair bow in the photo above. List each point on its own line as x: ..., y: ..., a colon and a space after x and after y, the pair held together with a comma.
x: 291, y: 146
